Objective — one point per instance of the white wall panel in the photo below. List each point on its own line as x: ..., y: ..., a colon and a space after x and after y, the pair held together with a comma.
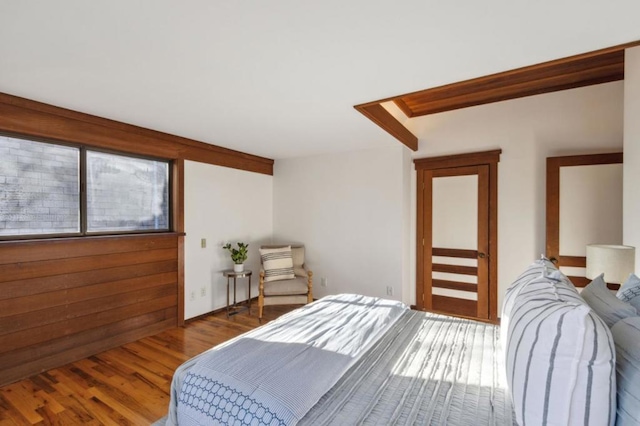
x: 222, y: 205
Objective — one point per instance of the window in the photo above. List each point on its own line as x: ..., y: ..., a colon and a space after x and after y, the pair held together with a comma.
x: 126, y: 194
x: 51, y: 189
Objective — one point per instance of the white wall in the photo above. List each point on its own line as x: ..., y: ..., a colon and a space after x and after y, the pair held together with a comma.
x: 579, y: 121
x: 349, y: 210
x: 222, y: 205
x: 631, y: 179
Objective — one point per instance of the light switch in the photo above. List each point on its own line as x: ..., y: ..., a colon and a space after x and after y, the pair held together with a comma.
x: 203, y: 243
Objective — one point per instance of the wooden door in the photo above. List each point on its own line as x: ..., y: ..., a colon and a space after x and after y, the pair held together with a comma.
x: 457, y: 235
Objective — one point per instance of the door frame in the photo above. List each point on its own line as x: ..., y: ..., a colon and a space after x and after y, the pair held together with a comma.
x: 552, y: 222
x: 423, y: 263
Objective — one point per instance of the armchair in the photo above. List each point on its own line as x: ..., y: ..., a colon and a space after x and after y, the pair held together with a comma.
x: 281, y: 283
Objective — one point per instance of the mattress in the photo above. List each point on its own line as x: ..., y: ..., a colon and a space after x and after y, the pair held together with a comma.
x: 424, y: 369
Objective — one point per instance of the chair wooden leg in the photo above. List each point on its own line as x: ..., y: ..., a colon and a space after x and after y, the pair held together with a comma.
x: 310, y: 287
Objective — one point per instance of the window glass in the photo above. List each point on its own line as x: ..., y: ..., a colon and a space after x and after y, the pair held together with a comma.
x: 126, y: 193
x: 39, y: 188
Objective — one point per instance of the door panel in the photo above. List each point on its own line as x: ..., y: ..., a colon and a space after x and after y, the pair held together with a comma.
x: 457, y: 233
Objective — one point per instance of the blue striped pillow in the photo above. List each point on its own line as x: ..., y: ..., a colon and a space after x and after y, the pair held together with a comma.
x: 626, y: 335
x: 605, y: 303
x: 630, y: 291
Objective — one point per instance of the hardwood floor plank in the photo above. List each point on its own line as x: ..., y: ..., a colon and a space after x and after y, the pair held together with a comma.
x: 127, y: 385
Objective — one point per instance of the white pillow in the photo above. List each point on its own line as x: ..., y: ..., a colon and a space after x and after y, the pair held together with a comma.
x: 626, y: 335
x: 533, y: 271
x: 605, y: 303
x: 630, y: 291
x: 541, y: 277
x: 559, y: 361
x: 277, y: 263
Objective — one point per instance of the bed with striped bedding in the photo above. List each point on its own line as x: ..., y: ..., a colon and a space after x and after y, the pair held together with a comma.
x: 417, y: 368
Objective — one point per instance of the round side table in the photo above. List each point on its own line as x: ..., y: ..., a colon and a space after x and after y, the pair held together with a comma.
x: 235, y: 309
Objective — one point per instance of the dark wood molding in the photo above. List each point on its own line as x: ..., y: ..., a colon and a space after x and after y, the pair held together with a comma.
x: 36, y: 119
x: 457, y: 253
x: 458, y: 160
x: 379, y: 115
x: 456, y: 285
x: 454, y: 269
x: 562, y: 74
x: 178, y: 208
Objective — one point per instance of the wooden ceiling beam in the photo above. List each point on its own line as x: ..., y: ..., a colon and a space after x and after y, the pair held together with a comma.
x: 379, y: 115
x: 555, y: 83
x: 600, y: 66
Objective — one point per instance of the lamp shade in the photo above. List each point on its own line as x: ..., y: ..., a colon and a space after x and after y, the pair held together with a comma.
x: 616, y: 262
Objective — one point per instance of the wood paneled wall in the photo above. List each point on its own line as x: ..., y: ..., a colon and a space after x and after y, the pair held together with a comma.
x: 66, y: 299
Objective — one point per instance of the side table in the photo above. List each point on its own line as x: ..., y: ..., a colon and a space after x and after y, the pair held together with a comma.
x: 235, y: 309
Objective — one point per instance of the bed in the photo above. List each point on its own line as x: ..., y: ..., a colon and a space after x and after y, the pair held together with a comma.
x: 349, y: 359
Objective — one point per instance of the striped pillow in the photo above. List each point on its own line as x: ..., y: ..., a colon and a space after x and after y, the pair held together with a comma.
x: 605, y: 303
x: 277, y: 263
x: 626, y: 334
x: 559, y: 361
x: 540, y: 277
x: 630, y: 291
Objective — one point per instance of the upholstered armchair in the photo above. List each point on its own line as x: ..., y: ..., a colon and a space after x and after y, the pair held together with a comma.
x: 284, y: 280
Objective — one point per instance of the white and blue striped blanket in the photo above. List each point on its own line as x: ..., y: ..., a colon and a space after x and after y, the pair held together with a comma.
x: 275, y: 374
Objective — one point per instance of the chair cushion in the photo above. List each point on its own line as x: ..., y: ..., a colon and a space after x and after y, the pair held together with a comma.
x: 298, y: 261
x: 298, y: 256
x: 286, y: 287
x: 605, y: 303
x: 277, y: 263
x: 630, y: 291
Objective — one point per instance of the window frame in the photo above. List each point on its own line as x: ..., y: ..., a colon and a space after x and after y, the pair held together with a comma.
x: 82, y: 203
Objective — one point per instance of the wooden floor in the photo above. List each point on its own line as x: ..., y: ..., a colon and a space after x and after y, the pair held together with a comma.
x: 128, y: 385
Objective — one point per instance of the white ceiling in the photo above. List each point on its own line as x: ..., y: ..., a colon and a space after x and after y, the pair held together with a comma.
x: 279, y: 78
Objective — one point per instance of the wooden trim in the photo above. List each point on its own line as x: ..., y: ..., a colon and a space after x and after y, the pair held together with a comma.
x: 455, y: 269
x: 582, y: 282
x: 573, y: 261
x: 483, y: 242
x: 456, y: 285
x: 532, y: 80
x: 26, y: 117
x: 553, y: 200
x: 457, y: 253
x: 420, y: 235
x: 178, y: 206
x: 463, y: 307
x: 458, y: 160
x: 493, y: 242
x: 379, y: 115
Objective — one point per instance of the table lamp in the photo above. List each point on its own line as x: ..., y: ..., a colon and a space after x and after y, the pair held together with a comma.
x: 615, y: 261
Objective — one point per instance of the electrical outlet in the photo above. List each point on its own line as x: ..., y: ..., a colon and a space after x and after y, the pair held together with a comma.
x: 389, y: 290
x: 203, y: 291
x: 203, y: 242
x: 192, y: 296
x: 323, y: 282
